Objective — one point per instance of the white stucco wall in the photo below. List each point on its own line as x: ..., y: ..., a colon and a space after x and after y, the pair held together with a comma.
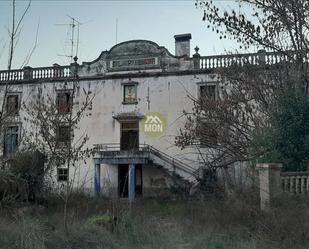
x: 164, y: 90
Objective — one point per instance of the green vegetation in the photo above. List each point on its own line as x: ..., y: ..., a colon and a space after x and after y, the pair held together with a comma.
x: 211, y: 223
x: 287, y: 138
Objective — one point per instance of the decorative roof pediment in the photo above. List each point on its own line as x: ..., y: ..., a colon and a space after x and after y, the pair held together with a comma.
x: 135, y: 48
x: 135, y: 55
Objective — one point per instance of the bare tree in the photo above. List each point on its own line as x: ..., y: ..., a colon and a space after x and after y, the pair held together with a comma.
x: 248, y: 94
x: 14, y: 33
x: 275, y: 25
x: 7, y: 113
x: 55, y: 131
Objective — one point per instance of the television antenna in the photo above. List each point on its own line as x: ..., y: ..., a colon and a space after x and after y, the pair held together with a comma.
x: 74, y: 40
x: 239, y: 7
x: 117, y: 30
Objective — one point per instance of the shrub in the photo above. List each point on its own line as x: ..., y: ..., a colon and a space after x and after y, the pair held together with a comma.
x: 287, y: 137
x: 30, y: 167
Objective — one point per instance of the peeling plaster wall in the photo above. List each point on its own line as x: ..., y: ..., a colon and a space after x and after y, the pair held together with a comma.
x: 167, y: 93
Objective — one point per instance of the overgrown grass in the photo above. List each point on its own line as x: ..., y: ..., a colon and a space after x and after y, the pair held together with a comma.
x: 154, y: 224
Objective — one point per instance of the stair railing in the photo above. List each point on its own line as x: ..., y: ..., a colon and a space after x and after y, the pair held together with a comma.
x: 176, y: 163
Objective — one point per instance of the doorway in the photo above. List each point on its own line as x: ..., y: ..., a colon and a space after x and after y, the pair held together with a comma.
x: 129, y: 135
x: 123, y: 180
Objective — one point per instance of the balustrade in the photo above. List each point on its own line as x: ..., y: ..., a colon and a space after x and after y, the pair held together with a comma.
x: 295, y: 182
x: 35, y: 73
x: 260, y: 58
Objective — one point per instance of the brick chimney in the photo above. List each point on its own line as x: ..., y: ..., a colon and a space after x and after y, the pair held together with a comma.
x: 182, y: 44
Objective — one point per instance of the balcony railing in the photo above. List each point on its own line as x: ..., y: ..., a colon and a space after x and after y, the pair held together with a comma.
x: 113, y: 150
x: 200, y: 62
x: 260, y: 58
x: 28, y: 73
x: 295, y: 182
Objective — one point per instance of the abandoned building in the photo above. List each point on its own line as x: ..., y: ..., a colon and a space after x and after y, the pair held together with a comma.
x: 141, y: 91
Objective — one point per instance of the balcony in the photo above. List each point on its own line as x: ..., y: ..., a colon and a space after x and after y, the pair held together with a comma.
x: 111, y: 154
x: 144, y: 154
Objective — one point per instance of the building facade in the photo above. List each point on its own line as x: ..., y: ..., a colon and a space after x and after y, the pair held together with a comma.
x: 140, y: 92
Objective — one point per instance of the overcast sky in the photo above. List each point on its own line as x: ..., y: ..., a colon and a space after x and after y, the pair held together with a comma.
x: 154, y: 20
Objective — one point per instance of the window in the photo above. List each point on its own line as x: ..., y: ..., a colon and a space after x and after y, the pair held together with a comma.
x: 129, y: 139
x: 63, y: 135
x: 208, y: 92
x: 12, y: 104
x: 10, y: 140
x: 64, y: 102
x: 62, y: 174
x: 130, y: 94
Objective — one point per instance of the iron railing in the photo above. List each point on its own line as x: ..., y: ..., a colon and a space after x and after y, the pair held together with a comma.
x: 176, y: 163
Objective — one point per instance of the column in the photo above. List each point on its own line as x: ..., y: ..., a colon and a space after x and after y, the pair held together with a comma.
x: 97, y: 179
x: 270, y: 183
x: 131, y: 182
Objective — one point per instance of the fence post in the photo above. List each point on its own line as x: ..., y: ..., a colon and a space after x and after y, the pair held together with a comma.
x: 270, y: 183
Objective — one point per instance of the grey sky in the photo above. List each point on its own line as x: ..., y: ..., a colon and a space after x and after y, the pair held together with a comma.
x: 153, y: 20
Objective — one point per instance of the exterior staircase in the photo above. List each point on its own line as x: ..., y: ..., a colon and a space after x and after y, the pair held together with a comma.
x: 147, y: 154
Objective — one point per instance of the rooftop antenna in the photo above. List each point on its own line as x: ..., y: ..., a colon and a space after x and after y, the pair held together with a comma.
x: 74, y: 37
x: 77, y: 35
x: 116, y: 30
x: 239, y: 7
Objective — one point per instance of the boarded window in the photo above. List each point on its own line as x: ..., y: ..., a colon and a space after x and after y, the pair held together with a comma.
x: 63, y: 135
x: 12, y: 104
x: 10, y: 140
x: 62, y: 174
x: 64, y: 102
x: 130, y: 94
x: 208, y: 92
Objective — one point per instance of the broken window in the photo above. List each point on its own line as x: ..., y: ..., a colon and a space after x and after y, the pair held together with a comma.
x: 10, y: 140
x: 129, y: 139
x: 130, y: 94
x: 62, y: 174
x: 63, y: 135
x: 12, y: 104
x: 64, y: 102
x: 208, y: 92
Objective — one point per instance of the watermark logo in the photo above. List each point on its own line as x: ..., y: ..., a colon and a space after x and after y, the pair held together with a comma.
x: 154, y: 124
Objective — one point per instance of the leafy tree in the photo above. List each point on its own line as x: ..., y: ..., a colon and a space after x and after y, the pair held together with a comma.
x: 287, y: 139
